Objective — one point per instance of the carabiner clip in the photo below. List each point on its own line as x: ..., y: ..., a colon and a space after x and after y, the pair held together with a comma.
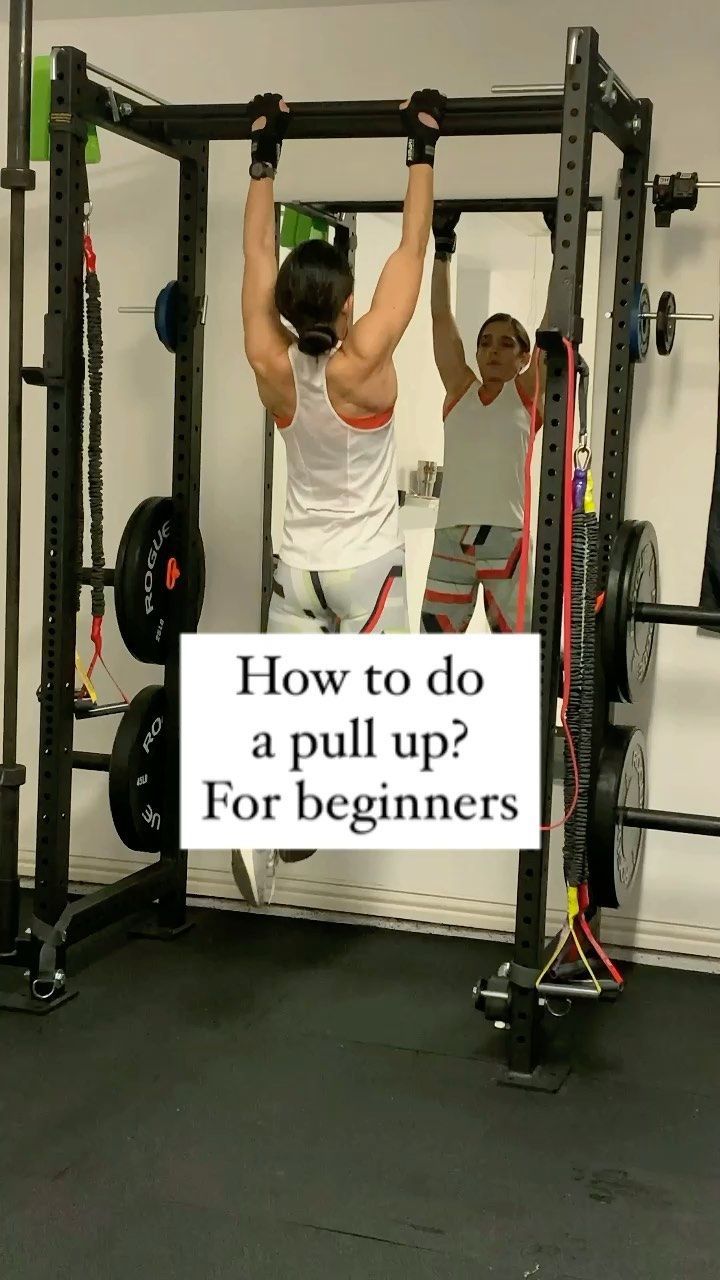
x: 582, y: 456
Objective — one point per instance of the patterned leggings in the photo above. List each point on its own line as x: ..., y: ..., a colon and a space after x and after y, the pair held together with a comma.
x: 463, y: 558
x: 369, y: 599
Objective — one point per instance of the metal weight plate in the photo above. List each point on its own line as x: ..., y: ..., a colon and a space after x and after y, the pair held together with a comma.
x: 639, y: 328
x: 614, y: 849
x: 627, y: 644
x: 665, y: 323
x: 166, y: 316
x: 148, y: 580
x: 137, y: 771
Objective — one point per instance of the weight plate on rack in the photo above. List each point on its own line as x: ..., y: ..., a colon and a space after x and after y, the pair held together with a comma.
x: 148, y: 580
x: 665, y: 323
x: 137, y: 771
x: 166, y: 316
x: 628, y: 645
x: 639, y: 328
x: 614, y: 849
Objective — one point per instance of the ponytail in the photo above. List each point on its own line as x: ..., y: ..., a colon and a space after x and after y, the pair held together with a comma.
x: 317, y: 340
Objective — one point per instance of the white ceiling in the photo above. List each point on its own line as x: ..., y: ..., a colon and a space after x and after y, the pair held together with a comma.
x: 133, y: 8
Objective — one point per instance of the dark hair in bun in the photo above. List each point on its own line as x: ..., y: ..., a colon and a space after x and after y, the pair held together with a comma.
x: 313, y: 284
x: 318, y: 340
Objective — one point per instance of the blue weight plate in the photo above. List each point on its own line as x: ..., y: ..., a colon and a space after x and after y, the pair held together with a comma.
x: 166, y: 320
x: 639, y: 329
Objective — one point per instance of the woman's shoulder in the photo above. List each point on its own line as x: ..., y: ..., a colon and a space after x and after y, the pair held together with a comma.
x: 355, y: 388
x: 458, y: 393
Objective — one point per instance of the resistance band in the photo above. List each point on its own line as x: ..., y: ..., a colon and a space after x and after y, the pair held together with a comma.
x: 580, y: 644
x: 94, y: 364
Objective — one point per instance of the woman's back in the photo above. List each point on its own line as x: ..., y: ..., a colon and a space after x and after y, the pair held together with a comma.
x: 341, y: 504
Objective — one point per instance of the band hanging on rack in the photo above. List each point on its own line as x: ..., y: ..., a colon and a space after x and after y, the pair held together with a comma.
x: 580, y: 596
x: 94, y: 372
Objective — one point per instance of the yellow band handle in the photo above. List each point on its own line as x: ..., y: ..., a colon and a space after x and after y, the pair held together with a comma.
x: 87, y: 682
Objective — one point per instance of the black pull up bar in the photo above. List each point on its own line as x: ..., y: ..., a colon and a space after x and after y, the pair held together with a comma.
x: 463, y: 117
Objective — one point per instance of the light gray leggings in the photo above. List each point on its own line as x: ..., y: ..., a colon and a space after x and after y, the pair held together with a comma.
x: 371, y: 599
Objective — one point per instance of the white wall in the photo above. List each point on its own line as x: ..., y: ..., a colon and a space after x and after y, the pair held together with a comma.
x: 473, y: 299
x: 379, y: 52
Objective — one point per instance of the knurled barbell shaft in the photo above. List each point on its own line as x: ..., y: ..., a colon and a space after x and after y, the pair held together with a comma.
x: 690, y: 824
x: 136, y: 311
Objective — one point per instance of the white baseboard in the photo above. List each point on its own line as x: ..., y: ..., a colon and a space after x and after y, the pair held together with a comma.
x: 649, y: 941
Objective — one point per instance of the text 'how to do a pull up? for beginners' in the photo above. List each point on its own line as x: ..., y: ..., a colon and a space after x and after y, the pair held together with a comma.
x: 404, y: 742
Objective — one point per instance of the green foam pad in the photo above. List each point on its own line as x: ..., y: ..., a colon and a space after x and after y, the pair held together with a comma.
x: 40, y: 103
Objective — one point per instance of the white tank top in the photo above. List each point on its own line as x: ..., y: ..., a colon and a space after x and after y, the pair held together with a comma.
x: 484, y: 463
x: 341, y: 506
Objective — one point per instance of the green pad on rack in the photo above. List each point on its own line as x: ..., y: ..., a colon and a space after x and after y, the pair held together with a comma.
x: 295, y: 227
x: 318, y: 229
x: 41, y: 101
x: 288, y: 227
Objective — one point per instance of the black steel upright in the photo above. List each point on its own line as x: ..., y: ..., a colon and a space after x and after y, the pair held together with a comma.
x: 628, y: 271
x: 564, y: 321
x: 17, y: 177
x: 621, y: 382
x: 57, y: 922
x: 192, y: 238
x: 63, y: 369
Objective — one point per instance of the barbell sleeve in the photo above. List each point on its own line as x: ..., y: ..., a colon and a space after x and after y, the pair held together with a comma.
x: 676, y: 315
x: 87, y: 710
x: 681, y: 615
x: 94, y: 761
x: 511, y: 90
x: 700, y: 185
x: 689, y: 824
x: 126, y: 84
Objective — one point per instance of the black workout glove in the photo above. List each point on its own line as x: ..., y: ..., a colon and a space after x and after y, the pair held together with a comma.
x: 422, y: 137
x: 443, y: 224
x: 266, y: 142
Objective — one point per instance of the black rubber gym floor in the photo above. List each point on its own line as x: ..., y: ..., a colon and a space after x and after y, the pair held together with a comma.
x: 274, y: 1098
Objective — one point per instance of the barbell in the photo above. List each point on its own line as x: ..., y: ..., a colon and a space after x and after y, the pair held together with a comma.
x: 631, y: 611
x: 675, y: 191
x: 619, y: 816
x: 165, y: 311
x: 618, y: 822
x: 666, y: 316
